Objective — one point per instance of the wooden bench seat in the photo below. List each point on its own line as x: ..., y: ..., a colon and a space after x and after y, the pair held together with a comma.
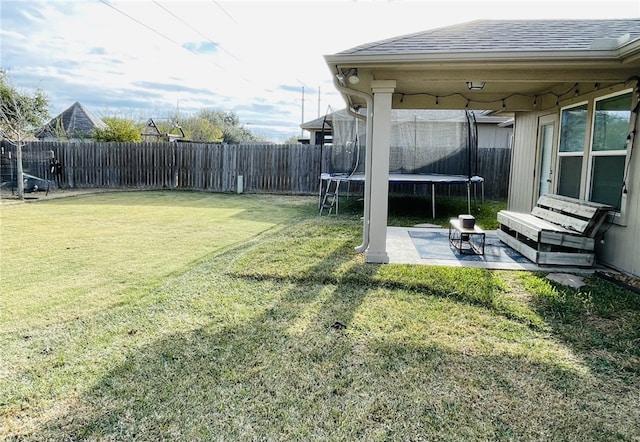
x: 559, y: 230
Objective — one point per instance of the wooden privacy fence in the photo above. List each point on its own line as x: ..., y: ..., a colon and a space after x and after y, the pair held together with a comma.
x: 268, y: 168
x: 290, y: 168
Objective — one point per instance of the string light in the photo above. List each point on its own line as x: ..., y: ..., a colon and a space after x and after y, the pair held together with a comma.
x: 573, y: 90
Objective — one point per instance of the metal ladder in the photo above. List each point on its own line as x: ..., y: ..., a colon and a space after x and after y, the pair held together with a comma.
x: 330, y: 198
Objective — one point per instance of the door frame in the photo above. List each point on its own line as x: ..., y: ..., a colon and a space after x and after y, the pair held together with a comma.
x: 543, y: 121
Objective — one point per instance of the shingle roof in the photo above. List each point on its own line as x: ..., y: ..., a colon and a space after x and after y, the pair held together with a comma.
x: 328, y: 119
x: 318, y: 122
x: 76, y: 122
x: 505, y: 35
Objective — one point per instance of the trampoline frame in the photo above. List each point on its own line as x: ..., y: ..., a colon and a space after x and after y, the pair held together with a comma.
x: 405, y: 178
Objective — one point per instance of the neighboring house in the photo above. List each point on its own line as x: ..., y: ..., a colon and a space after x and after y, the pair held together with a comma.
x: 320, y: 129
x: 152, y: 133
x: 74, y: 124
x: 571, y: 85
x: 494, y: 131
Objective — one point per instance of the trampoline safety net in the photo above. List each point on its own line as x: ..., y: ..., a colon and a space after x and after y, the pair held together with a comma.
x: 422, y: 141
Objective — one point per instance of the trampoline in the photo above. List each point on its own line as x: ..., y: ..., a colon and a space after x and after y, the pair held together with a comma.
x: 435, y: 148
x: 431, y: 179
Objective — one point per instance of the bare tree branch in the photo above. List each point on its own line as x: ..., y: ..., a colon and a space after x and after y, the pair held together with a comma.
x: 21, y: 114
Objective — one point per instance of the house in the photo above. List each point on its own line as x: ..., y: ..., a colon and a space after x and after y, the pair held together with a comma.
x: 493, y: 130
x: 319, y: 129
x: 74, y: 124
x: 571, y: 86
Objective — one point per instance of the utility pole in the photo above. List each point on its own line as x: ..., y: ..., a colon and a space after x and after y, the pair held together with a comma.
x: 302, y: 105
x: 318, y: 101
x: 302, y: 122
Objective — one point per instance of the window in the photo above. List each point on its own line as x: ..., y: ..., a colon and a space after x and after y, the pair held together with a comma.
x: 609, y: 149
x: 573, y: 127
x: 592, y: 150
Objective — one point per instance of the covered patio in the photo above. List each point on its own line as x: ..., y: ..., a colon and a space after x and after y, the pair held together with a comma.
x: 561, y: 81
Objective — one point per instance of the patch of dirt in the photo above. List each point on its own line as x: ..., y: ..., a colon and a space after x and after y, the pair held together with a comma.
x: 9, y: 197
x: 627, y: 281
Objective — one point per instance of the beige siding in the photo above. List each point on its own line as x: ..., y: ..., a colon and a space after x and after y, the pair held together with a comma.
x: 492, y: 136
x: 621, y: 248
x: 523, y: 160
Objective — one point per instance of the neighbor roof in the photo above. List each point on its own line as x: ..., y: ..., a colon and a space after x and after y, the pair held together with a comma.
x: 509, y: 35
x: 74, y: 122
x: 327, y: 120
x: 318, y: 122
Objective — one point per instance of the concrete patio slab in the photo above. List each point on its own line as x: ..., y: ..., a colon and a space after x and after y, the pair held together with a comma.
x: 402, y: 250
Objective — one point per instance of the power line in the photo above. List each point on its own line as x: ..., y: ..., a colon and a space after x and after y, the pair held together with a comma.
x: 147, y: 26
x: 223, y: 10
x: 194, y: 29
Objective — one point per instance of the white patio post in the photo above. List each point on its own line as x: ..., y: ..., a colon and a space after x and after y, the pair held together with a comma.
x: 382, y: 91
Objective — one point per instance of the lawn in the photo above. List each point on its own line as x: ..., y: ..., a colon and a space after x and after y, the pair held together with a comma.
x: 195, y: 316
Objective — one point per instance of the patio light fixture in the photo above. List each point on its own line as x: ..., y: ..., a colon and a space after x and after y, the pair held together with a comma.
x: 350, y: 74
x: 475, y: 85
x: 353, y: 79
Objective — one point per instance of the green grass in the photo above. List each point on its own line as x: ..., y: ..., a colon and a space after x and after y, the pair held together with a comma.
x: 265, y: 325
x: 105, y: 249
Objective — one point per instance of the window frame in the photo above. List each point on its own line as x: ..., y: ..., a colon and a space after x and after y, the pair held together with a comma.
x: 588, y: 154
x: 608, y: 153
x: 574, y: 154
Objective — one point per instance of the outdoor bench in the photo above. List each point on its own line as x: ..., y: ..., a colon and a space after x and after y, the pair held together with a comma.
x: 558, y: 231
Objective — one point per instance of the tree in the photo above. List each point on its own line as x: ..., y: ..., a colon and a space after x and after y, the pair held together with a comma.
x: 118, y: 129
x: 232, y: 131
x: 293, y: 139
x: 21, y: 113
x: 201, y: 129
x: 195, y: 128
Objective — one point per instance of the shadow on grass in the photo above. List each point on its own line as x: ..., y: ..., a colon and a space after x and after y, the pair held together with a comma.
x: 600, y: 321
x: 228, y: 381
x: 277, y: 378
x: 228, y: 386
x: 305, y: 350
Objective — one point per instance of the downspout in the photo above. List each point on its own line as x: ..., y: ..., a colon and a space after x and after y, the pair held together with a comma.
x: 367, y: 164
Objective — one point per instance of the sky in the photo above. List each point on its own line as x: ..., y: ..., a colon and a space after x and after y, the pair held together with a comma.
x: 261, y: 59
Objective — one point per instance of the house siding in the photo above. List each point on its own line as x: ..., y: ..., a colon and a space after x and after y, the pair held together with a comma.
x: 493, y: 136
x: 621, y: 247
